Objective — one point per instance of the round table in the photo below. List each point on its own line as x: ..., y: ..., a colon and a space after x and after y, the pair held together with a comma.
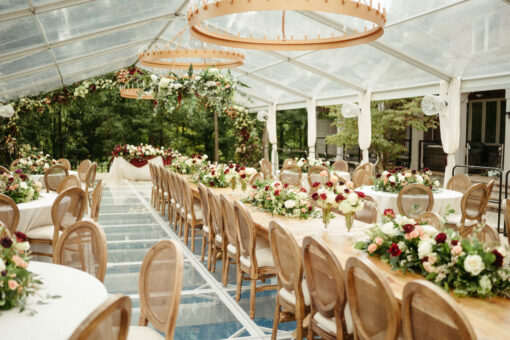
x: 80, y: 294
x: 443, y: 199
x: 40, y: 178
x: 36, y: 213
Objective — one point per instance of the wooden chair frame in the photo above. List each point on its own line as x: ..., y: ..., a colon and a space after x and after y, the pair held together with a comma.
x: 432, y: 218
x: 409, y: 187
x: 48, y: 173
x: 230, y: 231
x: 4, y: 170
x: 13, y: 225
x: 217, y: 228
x: 167, y: 183
x: 373, y: 218
x: 266, y: 168
x: 341, y: 165
x: 315, y: 170
x: 98, y: 316
x: 146, y: 313
x: 255, y: 177
x: 206, y: 228
x: 292, y: 168
x: 65, y: 162
x: 65, y: 185
x: 289, y: 161
x: 452, y: 182
x: 83, y: 168
x: 361, y: 177
x: 101, y: 248
x: 90, y: 182
x: 437, y: 297
x: 191, y: 221
x: 391, y: 304
x: 97, y: 196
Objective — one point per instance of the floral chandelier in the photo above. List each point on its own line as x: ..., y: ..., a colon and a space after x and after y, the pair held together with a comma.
x: 200, y: 11
x: 135, y: 93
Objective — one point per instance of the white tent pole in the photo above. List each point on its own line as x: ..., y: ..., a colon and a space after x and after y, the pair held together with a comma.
x: 312, y: 127
x: 271, y: 131
x: 365, y: 125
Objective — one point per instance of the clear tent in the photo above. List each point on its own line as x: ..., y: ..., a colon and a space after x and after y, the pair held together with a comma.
x: 45, y: 44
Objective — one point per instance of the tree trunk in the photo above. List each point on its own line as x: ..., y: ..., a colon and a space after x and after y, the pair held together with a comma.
x: 216, y: 138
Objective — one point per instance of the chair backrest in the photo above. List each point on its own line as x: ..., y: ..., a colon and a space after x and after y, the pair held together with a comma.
x: 83, y: 168
x: 474, y: 202
x: 167, y: 183
x: 160, y: 286
x: 369, y: 212
x: 230, y: 221
x: 9, y: 213
x: 506, y: 213
x: 288, y: 261
x: 325, y: 280
x: 459, y: 182
x: 216, y: 215
x: 266, y: 168
x: 65, y: 162
x: 204, y: 199
x: 177, y: 189
x: 91, y: 176
x: 54, y: 176
x: 314, y: 175
x: 256, y: 176
x: 415, y: 199
x: 83, y: 246
x: 291, y: 174
x: 109, y: 321
x: 428, y: 312
x: 14, y: 164
x: 341, y: 165
x: 486, y: 234
x: 246, y: 233
x: 362, y: 177
x: 374, y: 308
x: 187, y: 197
x: 68, y: 208
x: 4, y: 170
x: 97, y: 196
x: 366, y: 166
x: 431, y: 218
x: 289, y: 161
x: 68, y: 182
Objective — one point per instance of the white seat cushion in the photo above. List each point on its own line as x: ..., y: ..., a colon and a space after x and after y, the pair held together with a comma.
x: 172, y: 201
x: 264, y: 258
x: 291, y: 296
x: 206, y: 229
x: 455, y: 219
x: 42, y: 233
x: 329, y: 325
x: 143, y: 333
x: 231, y: 248
x: 198, y: 213
x: 218, y: 238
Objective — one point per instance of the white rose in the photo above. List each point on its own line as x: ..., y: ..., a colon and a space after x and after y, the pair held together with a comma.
x: 473, y: 264
x: 154, y: 78
x: 436, y: 183
x: 401, y: 178
x: 352, y: 198
x: 23, y: 185
x: 419, y: 179
x: 289, y: 204
x: 389, y: 229
x: 164, y: 82
x: 147, y: 153
x: 429, y: 230
x: 485, y: 283
x: 30, y: 163
x: 392, y: 179
x: 46, y: 166
x: 2, y: 265
x: 385, y: 173
x: 24, y: 246
x: 22, y: 161
x: 407, y: 174
x: 425, y: 247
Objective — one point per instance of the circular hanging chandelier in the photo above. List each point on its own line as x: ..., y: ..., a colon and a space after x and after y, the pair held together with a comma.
x: 133, y: 93
x: 210, y: 9
x: 159, y: 58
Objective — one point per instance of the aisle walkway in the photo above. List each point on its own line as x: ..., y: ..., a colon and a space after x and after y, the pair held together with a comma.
x: 207, y: 309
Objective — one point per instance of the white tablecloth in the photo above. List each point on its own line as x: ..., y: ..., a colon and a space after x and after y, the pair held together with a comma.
x: 122, y: 169
x: 442, y: 199
x: 80, y: 294
x: 36, y: 213
x: 304, y: 177
x: 40, y: 178
x: 343, y: 174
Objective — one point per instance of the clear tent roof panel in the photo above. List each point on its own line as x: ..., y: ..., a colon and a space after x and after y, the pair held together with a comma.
x: 12, y: 5
x: 34, y: 80
x: 31, y: 91
x: 262, y: 90
x: 98, y: 70
x: 25, y: 63
x: 19, y: 34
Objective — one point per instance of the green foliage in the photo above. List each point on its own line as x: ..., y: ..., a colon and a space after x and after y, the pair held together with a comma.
x: 388, y: 127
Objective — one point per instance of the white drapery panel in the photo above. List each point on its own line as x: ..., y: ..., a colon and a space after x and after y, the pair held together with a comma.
x: 271, y: 132
x: 449, y: 120
x: 365, y: 125
x: 312, y: 127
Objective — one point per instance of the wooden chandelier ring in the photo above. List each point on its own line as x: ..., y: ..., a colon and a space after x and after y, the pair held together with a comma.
x: 132, y: 93
x: 229, y: 59
x: 196, y: 16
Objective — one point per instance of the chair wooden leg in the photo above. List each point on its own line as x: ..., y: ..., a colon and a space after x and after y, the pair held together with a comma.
x: 192, y: 238
x: 209, y: 255
x: 299, y: 329
x: 181, y: 221
x: 253, y: 292
x: 309, y: 336
x: 204, y: 240
x: 186, y: 233
x: 214, y: 254
x: 276, y: 319
x: 239, y: 282
x: 226, y: 267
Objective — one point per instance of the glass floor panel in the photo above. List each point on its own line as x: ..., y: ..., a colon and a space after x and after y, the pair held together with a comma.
x: 208, y: 310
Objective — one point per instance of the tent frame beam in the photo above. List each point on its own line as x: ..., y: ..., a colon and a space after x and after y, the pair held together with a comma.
x: 273, y: 84
x: 26, y: 12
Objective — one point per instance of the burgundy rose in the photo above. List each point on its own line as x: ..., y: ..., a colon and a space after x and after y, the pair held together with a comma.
x: 426, y: 169
x: 455, y: 242
x: 323, y: 196
x: 277, y: 184
x: 315, y: 196
x: 243, y: 176
x: 211, y: 184
x: 408, y: 228
x: 277, y: 193
x: 394, y: 250
x: 360, y: 194
x: 425, y: 259
x: 392, y: 184
x: 302, y: 190
x: 347, y: 191
x: 339, y: 198
x: 4, y: 272
x: 315, y: 184
x: 310, y: 208
x: 329, y: 184
x: 389, y: 213
x: 413, y: 171
x: 266, y: 188
x: 440, y: 238
x: 254, y: 187
x: 18, y: 171
x: 226, y: 171
x: 23, y: 177
x: 499, y: 258
x: 213, y: 173
x: 285, y: 185
x: 377, y: 175
x: 21, y: 237
x: 11, y: 179
x: 6, y: 242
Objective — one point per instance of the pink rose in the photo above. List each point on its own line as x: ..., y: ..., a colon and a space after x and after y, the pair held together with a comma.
x: 372, y: 247
x: 414, y: 234
x: 12, y: 284
x: 457, y: 250
x: 323, y: 173
x: 349, y: 184
x: 378, y: 240
x: 334, y: 179
x: 303, y: 210
x: 18, y: 261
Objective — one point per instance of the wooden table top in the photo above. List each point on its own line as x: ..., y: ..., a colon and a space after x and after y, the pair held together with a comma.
x: 490, y: 318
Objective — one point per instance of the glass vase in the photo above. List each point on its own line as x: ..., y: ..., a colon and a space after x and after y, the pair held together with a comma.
x: 326, y: 216
x: 349, y: 219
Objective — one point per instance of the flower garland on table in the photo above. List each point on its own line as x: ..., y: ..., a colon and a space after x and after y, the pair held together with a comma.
x: 248, y: 150
x: 19, y: 187
x: 443, y: 257
x: 280, y: 199
x: 139, y: 155
x: 395, y: 180
x: 188, y: 165
x: 16, y: 281
x: 306, y: 164
x: 224, y: 175
x: 34, y: 163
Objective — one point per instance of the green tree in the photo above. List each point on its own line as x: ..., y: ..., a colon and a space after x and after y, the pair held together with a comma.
x: 388, y: 127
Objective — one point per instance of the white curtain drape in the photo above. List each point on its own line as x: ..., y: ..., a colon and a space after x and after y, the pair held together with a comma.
x: 312, y: 127
x: 271, y: 132
x: 365, y: 125
x: 449, y: 121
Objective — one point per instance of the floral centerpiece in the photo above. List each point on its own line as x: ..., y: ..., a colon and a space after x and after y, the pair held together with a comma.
x: 214, y: 175
x: 306, y: 164
x: 139, y: 155
x: 16, y: 281
x: 188, y: 165
x: 465, y: 266
x: 333, y: 195
x: 19, y: 187
x: 395, y: 180
x: 278, y: 198
x: 34, y: 163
